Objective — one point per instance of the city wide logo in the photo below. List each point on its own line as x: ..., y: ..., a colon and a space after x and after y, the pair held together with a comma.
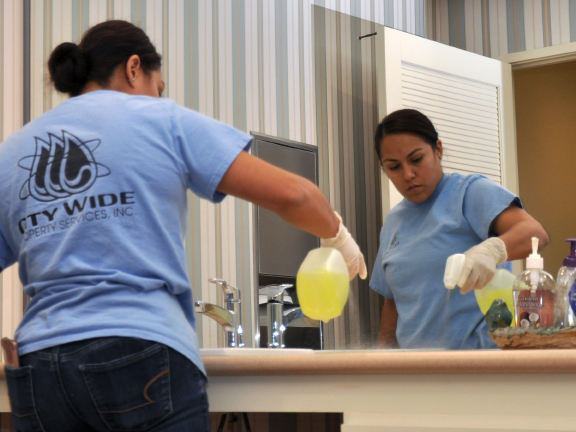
x: 61, y: 167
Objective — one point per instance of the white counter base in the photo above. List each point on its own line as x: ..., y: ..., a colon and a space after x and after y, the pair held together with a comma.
x: 410, y: 402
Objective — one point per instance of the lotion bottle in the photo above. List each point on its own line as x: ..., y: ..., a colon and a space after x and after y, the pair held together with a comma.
x: 534, y: 293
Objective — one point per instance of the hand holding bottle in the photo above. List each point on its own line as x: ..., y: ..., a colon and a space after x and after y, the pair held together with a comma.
x: 480, y: 264
x: 349, y: 249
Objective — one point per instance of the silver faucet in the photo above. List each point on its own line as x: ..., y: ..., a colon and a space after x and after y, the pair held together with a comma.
x: 277, y: 317
x: 229, y: 317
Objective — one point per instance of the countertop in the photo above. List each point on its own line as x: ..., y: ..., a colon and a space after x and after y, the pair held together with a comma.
x: 380, y: 362
x: 391, y: 390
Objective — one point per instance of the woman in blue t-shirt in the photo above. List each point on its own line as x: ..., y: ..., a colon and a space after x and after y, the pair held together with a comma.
x: 440, y: 215
x: 93, y: 206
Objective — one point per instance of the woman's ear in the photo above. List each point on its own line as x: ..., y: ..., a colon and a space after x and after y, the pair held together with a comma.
x: 133, y: 69
x: 439, y: 149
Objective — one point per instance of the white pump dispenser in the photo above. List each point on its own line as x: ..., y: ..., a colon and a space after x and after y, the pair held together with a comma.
x: 534, y: 263
x: 534, y: 295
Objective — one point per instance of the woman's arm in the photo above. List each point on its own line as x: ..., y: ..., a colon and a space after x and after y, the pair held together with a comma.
x: 515, y: 228
x: 388, y: 325
x: 295, y: 199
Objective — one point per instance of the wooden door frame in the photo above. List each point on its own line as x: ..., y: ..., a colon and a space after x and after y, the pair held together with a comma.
x: 540, y: 56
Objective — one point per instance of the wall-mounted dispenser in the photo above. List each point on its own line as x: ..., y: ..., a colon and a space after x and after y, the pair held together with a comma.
x: 279, y: 248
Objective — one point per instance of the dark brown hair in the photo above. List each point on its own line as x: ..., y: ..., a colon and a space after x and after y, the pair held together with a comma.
x: 102, y: 49
x: 406, y: 121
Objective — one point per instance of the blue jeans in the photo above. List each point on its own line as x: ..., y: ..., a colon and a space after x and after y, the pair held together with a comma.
x: 108, y: 384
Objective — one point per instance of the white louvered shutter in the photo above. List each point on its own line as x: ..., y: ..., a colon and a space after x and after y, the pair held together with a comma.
x: 465, y: 113
x: 467, y: 96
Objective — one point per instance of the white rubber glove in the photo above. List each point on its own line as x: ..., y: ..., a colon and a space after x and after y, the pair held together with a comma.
x: 480, y: 264
x: 349, y: 250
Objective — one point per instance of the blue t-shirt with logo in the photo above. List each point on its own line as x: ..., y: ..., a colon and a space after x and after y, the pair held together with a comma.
x: 93, y: 207
x: 415, y: 242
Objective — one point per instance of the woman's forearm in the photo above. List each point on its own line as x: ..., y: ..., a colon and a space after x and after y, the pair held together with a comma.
x: 295, y: 199
x: 517, y: 239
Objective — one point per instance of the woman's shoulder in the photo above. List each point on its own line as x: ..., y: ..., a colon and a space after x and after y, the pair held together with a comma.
x: 457, y: 182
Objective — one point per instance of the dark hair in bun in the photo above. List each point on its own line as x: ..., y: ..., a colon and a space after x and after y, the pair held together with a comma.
x: 67, y: 67
x: 406, y: 121
x: 103, y: 48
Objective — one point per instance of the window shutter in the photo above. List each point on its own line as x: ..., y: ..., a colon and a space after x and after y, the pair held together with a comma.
x: 465, y: 114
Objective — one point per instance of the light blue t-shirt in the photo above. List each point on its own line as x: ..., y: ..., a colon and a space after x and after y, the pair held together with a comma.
x: 93, y: 207
x: 415, y: 242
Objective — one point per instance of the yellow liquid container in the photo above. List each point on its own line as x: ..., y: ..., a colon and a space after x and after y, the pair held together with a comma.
x: 322, y: 284
x: 500, y: 287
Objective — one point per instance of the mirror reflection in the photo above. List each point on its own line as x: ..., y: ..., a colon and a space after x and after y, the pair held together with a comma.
x: 402, y: 198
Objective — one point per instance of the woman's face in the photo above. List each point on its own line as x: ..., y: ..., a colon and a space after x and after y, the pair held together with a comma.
x: 412, y: 165
x: 149, y: 85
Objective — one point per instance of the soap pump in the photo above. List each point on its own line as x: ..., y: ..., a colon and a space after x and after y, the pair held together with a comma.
x: 534, y: 294
x: 563, y: 315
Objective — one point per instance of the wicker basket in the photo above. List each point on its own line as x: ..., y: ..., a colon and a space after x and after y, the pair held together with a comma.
x: 534, y: 338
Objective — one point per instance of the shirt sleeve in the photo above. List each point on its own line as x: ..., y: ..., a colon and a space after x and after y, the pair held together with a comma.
x: 484, y: 200
x: 378, y: 280
x: 207, y: 148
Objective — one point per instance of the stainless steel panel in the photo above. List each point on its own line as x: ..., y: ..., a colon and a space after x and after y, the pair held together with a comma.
x: 282, y: 248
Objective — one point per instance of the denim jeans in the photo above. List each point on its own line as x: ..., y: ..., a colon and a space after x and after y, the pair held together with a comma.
x: 108, y: 384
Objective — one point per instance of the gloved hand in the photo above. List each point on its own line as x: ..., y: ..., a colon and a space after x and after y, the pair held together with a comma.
x: 480, y: 264
x: 349, y: 250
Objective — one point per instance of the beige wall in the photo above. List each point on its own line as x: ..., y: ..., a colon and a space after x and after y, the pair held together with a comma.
x: 546, y: 140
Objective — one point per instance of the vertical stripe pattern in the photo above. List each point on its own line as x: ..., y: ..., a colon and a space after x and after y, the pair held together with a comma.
x: 11, y: 119
x: 497, y: 27
x: 346, y: 118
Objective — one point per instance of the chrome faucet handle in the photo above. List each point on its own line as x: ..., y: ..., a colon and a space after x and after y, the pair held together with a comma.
x: 275, y: 293
x: 231, y: 317
x: 230, y: 291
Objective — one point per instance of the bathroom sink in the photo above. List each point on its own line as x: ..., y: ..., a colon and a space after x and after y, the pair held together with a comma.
x: 209, y: 352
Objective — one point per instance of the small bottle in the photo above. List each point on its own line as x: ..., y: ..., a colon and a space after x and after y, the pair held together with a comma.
x: 322, y: 284
x: 499, y: 287
x: 563, y: 314
x: 534, y: 294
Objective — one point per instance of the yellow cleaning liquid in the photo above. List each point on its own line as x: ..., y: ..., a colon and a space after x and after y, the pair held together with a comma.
x: 499, y: 287
x: 486, y: 297
x: 322, y: 284
x: 322, y: 295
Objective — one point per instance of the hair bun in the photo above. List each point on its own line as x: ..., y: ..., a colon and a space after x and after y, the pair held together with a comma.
x: 68, y: 68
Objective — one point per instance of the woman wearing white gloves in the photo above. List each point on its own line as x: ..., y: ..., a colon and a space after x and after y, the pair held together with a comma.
x: 441, y: 214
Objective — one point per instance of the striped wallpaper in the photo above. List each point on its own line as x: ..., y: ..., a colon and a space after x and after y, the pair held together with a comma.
x: 347, y: 115
x: 497, y: 27
x: 11, y: 119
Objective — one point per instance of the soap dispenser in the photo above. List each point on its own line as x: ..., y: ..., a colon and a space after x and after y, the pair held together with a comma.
x: 563, y: 314
x: 534, y: 293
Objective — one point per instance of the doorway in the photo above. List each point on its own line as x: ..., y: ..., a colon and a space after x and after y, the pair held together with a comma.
x: 545, y: 103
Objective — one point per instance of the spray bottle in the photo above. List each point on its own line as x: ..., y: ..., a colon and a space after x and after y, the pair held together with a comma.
x: 534, y: 293
x: 563, y: 315
x: 500, y: 287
